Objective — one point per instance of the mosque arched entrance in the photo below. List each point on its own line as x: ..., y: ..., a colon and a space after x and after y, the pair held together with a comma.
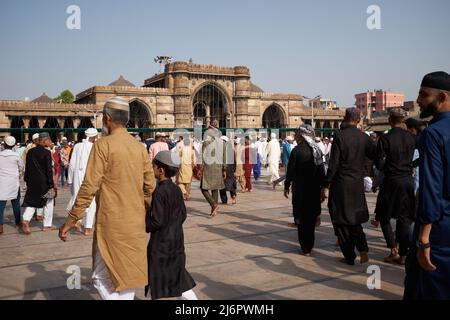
x: 17, y: 123
x: 209, y: 104
x: 52, y: 123
x: 273, y: 118
x: 139, y: 118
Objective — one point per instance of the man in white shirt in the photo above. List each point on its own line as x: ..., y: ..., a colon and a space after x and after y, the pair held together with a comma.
x: 10, y: 167
x: 77, y: 171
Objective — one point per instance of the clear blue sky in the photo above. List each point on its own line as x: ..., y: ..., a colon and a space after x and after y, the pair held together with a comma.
x: 307, y: 47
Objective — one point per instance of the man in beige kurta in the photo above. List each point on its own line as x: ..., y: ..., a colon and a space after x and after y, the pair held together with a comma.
x: 239, y: 156
x: 187, y: 158
x: 120, y: 176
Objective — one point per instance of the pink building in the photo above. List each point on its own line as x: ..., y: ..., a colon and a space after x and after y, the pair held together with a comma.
x: 377, y: 101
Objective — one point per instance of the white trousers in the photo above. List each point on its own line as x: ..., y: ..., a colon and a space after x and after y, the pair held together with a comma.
x: 40, y: 212
x: 103, y: 283
x: 274, y: 172
x: 48, y: 213
x: 187, y: 295
x: 89, y: 218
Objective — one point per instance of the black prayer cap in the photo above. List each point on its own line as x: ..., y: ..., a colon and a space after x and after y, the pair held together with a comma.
x: 413, y: 123
x: 437, y: 80
x: 397, y: 112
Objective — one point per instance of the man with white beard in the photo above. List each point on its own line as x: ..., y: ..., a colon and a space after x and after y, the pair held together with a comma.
x: 77, y: 171
x: 273, y: 156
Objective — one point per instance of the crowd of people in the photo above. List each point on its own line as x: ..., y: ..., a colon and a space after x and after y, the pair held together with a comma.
x: 144, y: 186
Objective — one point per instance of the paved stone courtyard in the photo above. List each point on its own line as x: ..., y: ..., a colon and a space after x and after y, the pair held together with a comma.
x: 246, y: 252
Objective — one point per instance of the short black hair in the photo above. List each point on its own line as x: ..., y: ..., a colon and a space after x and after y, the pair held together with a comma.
x: 169, y: 171
x: 396, y: 120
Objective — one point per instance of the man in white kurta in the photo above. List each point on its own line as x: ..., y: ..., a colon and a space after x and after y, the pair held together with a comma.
x: 273, y: 156
x: 77, y: 171
x: 10, y: 167
x: 262, y: 145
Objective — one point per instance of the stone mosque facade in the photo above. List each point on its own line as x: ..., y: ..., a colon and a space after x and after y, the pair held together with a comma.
x: 183, y: 96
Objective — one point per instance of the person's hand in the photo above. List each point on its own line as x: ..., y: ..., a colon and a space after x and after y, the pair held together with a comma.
x: 324, y: 194
x: 286, y: 193
x: 423, y: 256
x: 224, y: 174
x: 374, y: 189
x: 64, y: 232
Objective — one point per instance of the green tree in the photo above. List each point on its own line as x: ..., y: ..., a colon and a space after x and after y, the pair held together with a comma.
x: 65, y: 97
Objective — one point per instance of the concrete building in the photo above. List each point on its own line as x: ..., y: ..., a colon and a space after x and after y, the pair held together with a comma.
x: 323, y: 103
x: 378, y: 101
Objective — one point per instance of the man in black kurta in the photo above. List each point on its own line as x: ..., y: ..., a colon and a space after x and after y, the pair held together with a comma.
x: 395, y: 153
x: 345, y: 178
x: 39, y: 180
x: 306, y: 174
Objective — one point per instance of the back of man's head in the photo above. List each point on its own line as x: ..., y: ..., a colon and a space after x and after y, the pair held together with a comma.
x: 118, y: 110
x: 352, y: 115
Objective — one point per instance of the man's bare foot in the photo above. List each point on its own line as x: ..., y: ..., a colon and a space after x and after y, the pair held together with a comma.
x: 400, y: 260
x: 39, y: 218
x: 47, y: 229
x: 375, y: 223
x: 292, y: 225
x: 18, y: 227
x: 391, y: 258
x: 88, y: 232
x: 26, y: 227
x: 214, y: 211
x: 78, y: 227
x: 233, y: 200
x: 306, y: 254
x: 363, y: 257
x: 274, y: 185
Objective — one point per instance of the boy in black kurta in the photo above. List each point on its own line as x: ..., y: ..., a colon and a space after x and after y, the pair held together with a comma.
x: 165, y: 252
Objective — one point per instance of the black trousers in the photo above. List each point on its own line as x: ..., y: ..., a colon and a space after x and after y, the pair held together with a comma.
x: 223, y: 195
x: 401, y: 236
x: 306, y: 228
x: 350, y: 237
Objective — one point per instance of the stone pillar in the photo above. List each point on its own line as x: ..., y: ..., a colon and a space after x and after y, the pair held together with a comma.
x: 41, y: 121
x: 181, y: 95
x: 208, y: 116
x: 100, y: 120
x: 26, y: 122
x: 61, y: 122
x: 241, y: 96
